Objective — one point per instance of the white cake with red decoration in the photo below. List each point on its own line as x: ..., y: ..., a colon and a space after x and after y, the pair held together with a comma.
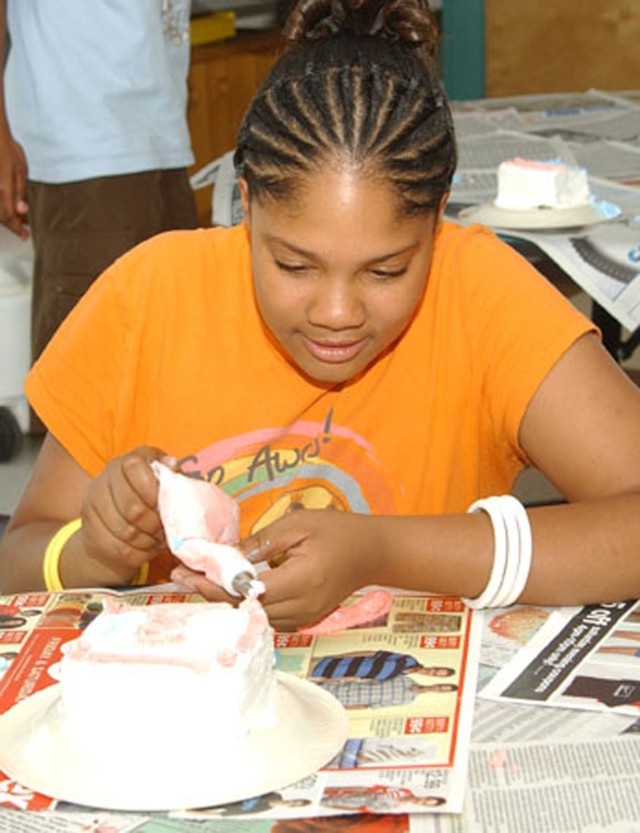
x: 169, y: 676
x: 525, y: 185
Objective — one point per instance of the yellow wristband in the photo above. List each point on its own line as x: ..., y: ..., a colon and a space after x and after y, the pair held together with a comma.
x: 143, y: 574
x: 51, y: 561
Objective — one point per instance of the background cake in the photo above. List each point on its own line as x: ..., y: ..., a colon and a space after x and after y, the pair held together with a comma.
x: 526, y: 185
x: 164, y: 675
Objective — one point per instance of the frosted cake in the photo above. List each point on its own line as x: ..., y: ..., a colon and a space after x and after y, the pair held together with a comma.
x: 169, y: 675
x: 527, y: 185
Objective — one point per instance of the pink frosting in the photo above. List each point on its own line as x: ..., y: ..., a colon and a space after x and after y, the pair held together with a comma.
x: 164, y: 627
x: 368, y: 609
x: 257, y: 622
x: 533, y: 164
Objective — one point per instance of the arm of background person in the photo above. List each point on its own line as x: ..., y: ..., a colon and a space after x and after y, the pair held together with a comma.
x: 13, y: 164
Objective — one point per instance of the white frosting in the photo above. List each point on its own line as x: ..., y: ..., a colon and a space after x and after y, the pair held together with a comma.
x: 170, y: 675
x: 525, y: 185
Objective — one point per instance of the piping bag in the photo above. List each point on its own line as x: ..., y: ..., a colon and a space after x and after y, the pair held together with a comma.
x: 201, y: 525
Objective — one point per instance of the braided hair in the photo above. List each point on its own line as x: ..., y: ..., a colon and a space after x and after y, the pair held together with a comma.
x: 356, y: 86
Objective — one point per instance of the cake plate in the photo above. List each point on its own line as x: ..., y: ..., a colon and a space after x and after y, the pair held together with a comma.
x: 310, y: 729
x: 537, y: 218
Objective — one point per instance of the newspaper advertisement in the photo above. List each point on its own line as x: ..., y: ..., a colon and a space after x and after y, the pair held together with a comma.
x: 506, y: 631
x: 597, y: 131
x: 408, y: 684
x: 581, y: 658
x: 12, y: 821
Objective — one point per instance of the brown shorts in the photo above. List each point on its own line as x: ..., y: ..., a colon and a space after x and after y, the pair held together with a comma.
x: 80, y: 228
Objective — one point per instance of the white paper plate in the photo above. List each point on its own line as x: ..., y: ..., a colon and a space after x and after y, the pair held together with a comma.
x: 311, y: 728
x: 540, y: 218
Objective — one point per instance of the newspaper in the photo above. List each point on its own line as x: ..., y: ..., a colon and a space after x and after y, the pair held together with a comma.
x: 560, y: 770
x: 525, y: 773
x: 581, y: 658
x: 409, y: 733
x: 598, y: 131
x: 557, y: 787
x: 226, y: 203
x: 12, y: 821
x: 506, y: 633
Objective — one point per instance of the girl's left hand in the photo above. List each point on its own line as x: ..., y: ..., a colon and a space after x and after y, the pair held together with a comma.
x: 322, y: 556
x: 318, y: 557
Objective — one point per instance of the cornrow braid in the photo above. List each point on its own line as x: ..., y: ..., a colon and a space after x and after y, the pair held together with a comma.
x: 370, y: 102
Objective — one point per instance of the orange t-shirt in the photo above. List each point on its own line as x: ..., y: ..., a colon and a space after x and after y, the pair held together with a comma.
x: 168, y: 349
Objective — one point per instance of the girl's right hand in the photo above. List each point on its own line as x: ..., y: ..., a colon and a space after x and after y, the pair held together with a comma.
x: 121, y: 526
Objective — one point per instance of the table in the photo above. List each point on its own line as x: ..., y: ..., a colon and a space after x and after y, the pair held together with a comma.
x: 525, y: 760
x: 597, y: 130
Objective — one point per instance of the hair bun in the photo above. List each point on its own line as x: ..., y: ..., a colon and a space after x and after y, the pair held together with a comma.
x: 399, y: 21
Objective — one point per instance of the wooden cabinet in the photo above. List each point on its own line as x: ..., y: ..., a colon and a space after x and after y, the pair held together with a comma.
x: 222, y: 80
x: 561, y: 45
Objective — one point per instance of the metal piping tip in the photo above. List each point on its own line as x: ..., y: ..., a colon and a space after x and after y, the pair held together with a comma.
x: 245, y: 584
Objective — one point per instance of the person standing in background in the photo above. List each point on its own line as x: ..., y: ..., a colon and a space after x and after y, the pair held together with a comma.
x: 94, y: 141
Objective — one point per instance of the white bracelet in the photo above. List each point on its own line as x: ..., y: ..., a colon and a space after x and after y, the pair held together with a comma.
x: 512, y: 551
x: 511, y: 570
x: 492, y: 507
x: 525, y: 550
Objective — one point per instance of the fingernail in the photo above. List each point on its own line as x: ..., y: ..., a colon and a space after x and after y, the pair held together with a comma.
x: 252, y: 554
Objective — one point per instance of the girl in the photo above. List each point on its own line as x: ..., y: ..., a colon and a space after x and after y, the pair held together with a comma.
x: 354, y: 370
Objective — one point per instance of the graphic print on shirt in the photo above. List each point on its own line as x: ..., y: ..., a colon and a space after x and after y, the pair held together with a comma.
x: 175, y: 20
x: 308, y: 465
